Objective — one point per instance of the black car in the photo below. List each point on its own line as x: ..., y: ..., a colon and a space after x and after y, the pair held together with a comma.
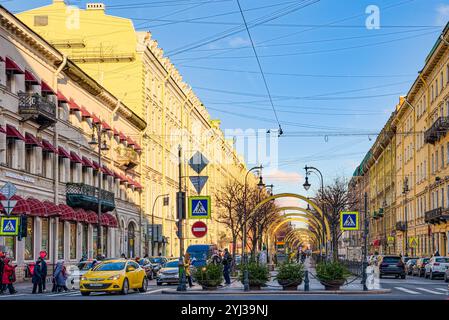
x: 409, y: 265
x: 392, y: 266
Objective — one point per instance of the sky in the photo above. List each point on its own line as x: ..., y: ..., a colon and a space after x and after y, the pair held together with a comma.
x: 333, y: 81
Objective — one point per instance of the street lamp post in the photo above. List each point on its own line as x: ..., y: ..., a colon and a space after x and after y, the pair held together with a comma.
x: 405, y: 190
x: 166, y: 196
x: 306, y: 186
x: 245, y: 257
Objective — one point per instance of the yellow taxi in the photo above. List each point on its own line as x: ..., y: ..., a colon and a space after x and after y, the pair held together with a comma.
x: 118, y: 276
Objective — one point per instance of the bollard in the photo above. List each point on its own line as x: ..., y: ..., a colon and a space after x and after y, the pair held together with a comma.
x: 306, y: 281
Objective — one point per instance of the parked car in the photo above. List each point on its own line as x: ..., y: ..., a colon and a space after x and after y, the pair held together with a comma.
x: 76, y: 272
x: 169, y: 273
x: 419, y: 267
x: 148, y: 267
x: 158, y: 263
x: 436, y: 267
x: 114, y: 276
x: 391, y: 265
x: 406, y: 259
x: 409, y: 265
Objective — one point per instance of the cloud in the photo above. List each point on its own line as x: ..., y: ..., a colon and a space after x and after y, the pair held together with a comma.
x: 442, y: 14
x: 283, y: 176
x: 238, y: 42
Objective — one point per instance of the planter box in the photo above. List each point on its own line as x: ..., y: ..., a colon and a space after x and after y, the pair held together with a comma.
x: 332, y: 285
x: 290, y: 284
x: 255, y: 287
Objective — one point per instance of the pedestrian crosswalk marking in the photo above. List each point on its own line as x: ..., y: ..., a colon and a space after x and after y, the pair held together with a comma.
x: 153, y: 291
x: 12, y: 295
x: 407, y: 290
x: 442, y: 289
x: 429, y: 291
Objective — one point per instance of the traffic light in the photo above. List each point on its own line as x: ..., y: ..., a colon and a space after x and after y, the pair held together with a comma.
x: 22, y: 227
x: 181, y: 205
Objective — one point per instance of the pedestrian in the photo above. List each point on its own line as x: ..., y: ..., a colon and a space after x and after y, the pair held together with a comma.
x: 123, y: 256
x: 43, y: 255
x: 216, y: 259
x: 303, y: 257
x: 145, y: 256
x: 37, y: 276
x: 187, y: 262
x: 2, y: 265
x: 160, y: 254
x: 437, y: 253
x: 227, y: 261
x: 60, y: 276
x: 9, y: 276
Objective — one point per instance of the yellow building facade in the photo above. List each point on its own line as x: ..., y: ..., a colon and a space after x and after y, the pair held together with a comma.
x: 132, y: 66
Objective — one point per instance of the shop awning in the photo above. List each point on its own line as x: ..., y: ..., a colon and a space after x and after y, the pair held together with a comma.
x: 92, y: 216
x: 12, y: 132
x: 73, y: 106
x: 130, y: 141
x: 113, y: 223
x: 95, y: 119
x: 122, y: 137
x: 52, y: 209
x: 67, y: 213
x: 376, y: 243
x: 46, y: 88
x: 85, y: 113
x: 22, y: 206
x: 81, y: 215
x: 29, y: 77
x: 104, y: 221
x: 137, y: 184
x: 63, y: 152
x: 116, y: 175
x: 37, y: 208
x: 47, y: 146
x: 107, y: 171
x: 11, y: 65
x: 116, y: 133
x: 105, y: 126
x: 75, y: 158
x: 32, y: 140
x: 62, y: 98
x: 96, y: 165
x: 137, y: 147
x: 123, y: 179
x: 2, y: 130
x: 87, y: 162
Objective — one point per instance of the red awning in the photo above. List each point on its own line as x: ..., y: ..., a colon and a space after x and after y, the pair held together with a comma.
x: 122, y: 137
x: 63, y: 152
x: 137, y: 147
x: 2, y: 130
x: 130, y: 141
x: 32, y: 140
x: 107, y: 171
x: 81, y: 215
x: 22, y: 206
x: 104, y: 221
x: 123, y: 179
x: 75, y: 158
x: 67, y: 213
x: 85, y: 113
x: 46, y: 88
x: 96, y: 165
x: 92, y: 216
x: 29, y: 77
x: 73, y: 106
x: 87, y: 162
x: 47, y: 146
x: 95, y: 119
x: 52, y: 209
x: 116, y: 175
x: 62, y: 98
x: 116, y: 133
x: 12, y: 132
x: 376, y: 243
x: 37, y: 208
x: 11, y: 65
x: 138, y: 185
x: 105, y: 126
x: 112, y: 220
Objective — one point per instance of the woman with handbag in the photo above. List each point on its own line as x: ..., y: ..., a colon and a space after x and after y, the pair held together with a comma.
x: 9, y: 276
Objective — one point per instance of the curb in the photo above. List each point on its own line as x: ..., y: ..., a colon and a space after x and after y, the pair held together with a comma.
x: 279, y: 292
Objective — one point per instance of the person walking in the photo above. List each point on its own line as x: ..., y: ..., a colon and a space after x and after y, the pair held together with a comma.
x: 9, y: 276
x: 60, y: 277
x: 187, y: 262
x: 43, y: 255
x: 227, y: 261
x: 2, y: 265
x: 37, y: 276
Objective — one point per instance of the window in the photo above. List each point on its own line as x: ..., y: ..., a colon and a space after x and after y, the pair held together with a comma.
x: 10, y: 144
x: 10, y: 84
x: 72, y: 241
x: 73, y: 172
x: 104, y: 240
x: 442, y: 197
x: 29, y: 240
x: 45, y: 160
x: 84, y: 244
x: 94, y: 240
x: 45, y: 234
x: 433, y: 165
x: 436, y: 160
x: 441, y: 81
x: 61, y: 240
x: 442, y: 156
x: 28, y: 157
x: 61, y: 168
x: 40, y: 21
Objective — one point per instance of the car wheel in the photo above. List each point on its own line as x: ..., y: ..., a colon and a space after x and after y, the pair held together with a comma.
x: 85, y: 293
x: 403, y: 276
x: 125, y: 287
x: 159, y: 283
x: 144, y: 285
x: 396, y: 276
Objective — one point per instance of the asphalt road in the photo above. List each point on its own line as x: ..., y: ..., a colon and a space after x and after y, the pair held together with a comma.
x: 411, y: 288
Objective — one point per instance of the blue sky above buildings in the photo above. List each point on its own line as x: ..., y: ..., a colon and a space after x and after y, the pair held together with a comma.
x: 333, y: 81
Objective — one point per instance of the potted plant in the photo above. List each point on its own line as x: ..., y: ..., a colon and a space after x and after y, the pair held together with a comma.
x: 210, y: 276
x: 332, y: 275
x: 290, y: 275
x: 258, y: 275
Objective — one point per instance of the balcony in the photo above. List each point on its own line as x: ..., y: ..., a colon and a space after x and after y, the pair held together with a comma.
x: 80, y: 195
x: 400, y: 226
x: 436, y: 216
x: 437, y: 130
x: 38, y: 108
x: 127, y: 157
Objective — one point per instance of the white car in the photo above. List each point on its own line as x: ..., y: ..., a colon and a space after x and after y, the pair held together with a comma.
x: 436, y: 267
x: 76, y: 272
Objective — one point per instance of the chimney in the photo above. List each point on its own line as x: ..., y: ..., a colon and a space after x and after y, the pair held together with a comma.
x: 95, y: 6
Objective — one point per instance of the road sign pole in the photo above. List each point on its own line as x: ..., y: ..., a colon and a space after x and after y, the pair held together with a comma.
x: 182, y: 275
x: 365, y: 238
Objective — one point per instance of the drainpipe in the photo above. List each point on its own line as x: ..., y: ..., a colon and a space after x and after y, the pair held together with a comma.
x: 56, y: 162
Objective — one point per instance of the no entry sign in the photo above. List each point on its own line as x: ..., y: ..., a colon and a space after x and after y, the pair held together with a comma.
x: 199, y: 229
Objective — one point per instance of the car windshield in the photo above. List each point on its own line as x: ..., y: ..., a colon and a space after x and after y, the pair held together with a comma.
x: 391, y: 259
x: 172, y: 264
x: 142, y: 262
x: 426, y: 260
x: 443, y: 260
x: 198, y: 255
x: 156, y: 260
x: 86, y: 266
x: 110, y: 266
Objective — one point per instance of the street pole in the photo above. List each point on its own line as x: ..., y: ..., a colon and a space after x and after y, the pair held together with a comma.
x: 405, y: 190
x: 180, y: 210
x: 365, y: 245
x: 100, y: 178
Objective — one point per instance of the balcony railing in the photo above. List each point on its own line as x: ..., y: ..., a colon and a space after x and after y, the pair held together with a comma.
x: 436, y: 216
x: 438, y: 130
x: 36, y: 107
x: 400, y: 226
x: 80, y: 195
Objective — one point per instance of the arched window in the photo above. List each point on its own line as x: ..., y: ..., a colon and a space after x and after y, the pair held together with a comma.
x: 131, y: 240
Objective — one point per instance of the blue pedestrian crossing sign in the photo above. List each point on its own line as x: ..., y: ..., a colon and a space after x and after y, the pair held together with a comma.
x: 9, y: 226
x: 199, y: 207
x: 349, y: 220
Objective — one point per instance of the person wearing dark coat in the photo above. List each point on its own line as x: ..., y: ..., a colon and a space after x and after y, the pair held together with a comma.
x: 227, y: 261
x: 2, y: 265
x: 9, y: 276
x: 43, y: 273
x: 37, y: 276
